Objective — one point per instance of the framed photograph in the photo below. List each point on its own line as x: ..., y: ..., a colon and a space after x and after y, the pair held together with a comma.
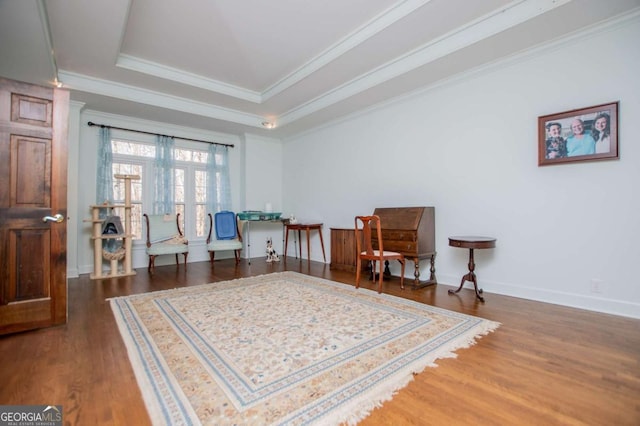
x: 584, y: 134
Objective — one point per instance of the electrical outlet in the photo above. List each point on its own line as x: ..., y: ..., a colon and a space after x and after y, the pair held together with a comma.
x: 597, y: 285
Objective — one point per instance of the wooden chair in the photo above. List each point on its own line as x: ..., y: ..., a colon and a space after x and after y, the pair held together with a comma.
x: 165, y: 237
x: 369, y: 224
x: 214, y: 244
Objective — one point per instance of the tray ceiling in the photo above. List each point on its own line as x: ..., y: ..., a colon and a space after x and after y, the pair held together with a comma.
x: 231, y: 66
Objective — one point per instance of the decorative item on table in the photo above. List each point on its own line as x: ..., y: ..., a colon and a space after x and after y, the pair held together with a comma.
x: 272, y: 256
x: 270, y: 216
x: 258, y: 215
x: 292, y: 219
x: 250, y: 215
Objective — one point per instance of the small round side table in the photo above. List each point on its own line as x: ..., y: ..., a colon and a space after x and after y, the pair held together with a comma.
x: 471, y: 242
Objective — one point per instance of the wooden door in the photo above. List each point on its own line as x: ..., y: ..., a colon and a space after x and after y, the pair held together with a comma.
x: 33, y: 186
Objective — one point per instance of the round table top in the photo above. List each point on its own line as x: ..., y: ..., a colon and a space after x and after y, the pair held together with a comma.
x: 474, y: 242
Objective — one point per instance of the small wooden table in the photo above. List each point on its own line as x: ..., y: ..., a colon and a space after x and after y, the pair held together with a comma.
x: 307, y: 227
x: 471, y: 243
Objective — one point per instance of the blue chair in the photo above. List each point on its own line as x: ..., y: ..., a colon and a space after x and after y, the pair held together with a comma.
x: 227, y: 235
x: 165, y: 237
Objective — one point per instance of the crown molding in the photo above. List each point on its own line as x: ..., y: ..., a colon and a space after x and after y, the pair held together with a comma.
x: 628, y: 18
x: 135, y: 94
x: 362, y: 34
x: 46, y: 30
x: 173, y: 74
x: 371, y: 28
x: 486, y: 26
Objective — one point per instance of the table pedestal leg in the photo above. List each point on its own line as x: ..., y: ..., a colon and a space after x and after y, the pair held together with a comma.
x: 471, y: 276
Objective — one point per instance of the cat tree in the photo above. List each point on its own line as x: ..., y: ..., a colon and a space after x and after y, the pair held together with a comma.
x: 123, y: 253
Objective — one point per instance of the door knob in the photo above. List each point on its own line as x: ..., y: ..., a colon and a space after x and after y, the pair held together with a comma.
x: 57, y: 218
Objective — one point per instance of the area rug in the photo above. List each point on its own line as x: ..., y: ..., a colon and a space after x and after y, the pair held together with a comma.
x: 282, y: 349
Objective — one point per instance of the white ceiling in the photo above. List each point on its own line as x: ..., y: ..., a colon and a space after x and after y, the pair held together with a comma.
x: 230, y: 65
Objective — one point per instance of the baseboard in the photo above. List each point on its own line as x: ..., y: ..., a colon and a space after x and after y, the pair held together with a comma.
x: 590, y: 303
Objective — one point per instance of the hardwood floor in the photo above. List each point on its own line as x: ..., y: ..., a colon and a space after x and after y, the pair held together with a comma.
x: 546, y: 364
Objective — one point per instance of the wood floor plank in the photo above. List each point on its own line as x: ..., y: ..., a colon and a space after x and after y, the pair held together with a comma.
x: 546, y: 364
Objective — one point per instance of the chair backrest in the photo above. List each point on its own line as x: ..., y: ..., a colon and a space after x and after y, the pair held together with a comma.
x: 162, y: 227
x: 226, y: 223
x: 368, y: 225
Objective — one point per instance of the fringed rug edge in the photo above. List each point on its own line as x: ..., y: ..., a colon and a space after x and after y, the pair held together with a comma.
x: 153, y: 405
x: 359, y: 409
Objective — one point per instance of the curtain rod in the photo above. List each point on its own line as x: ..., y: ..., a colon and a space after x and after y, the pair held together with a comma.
x: 158, y: 134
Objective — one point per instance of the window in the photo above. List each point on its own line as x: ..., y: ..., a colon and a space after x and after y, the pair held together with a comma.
x: 137, y: 158
x: 136, y: 195
x: 200, y: 203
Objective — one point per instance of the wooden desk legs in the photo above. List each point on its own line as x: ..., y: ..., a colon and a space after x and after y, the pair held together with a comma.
x: 286, y: 243
x: 321, y: 244
x: 416, y: 272
x: 471, y: 276
x: 432, y: 274
x: 308, y: 230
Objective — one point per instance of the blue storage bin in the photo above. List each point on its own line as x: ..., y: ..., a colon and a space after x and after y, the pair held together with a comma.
x: 225, y: 223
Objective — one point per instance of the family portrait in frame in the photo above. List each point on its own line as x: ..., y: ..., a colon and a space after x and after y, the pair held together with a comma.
x: 584, y: 134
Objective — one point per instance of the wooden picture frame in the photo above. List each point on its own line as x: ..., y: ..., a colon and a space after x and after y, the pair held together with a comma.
x: 559, y: 140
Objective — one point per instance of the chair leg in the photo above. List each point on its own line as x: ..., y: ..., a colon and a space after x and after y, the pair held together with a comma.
x: 152, y: 260
x: 402, y: 262
x: 212, y: 254
x: 380, y: 278
x: 358, y: 267
x: 185, y: 259
x: 237, y: 253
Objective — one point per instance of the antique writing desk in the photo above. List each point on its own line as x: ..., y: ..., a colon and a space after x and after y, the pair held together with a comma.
x: 410, y: 231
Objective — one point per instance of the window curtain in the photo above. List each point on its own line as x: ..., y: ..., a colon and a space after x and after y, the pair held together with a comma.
x: 164, y: 176
x: 218, y: 183
x: 104, y: 187
x: 104, y: 181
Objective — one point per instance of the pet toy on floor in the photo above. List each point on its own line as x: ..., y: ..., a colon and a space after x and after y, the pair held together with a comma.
x: 272, y: 256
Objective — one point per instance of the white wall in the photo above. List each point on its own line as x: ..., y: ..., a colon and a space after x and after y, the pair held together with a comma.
x: 262, y: 170
x: 469, y: 148
x: 74, y: 216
